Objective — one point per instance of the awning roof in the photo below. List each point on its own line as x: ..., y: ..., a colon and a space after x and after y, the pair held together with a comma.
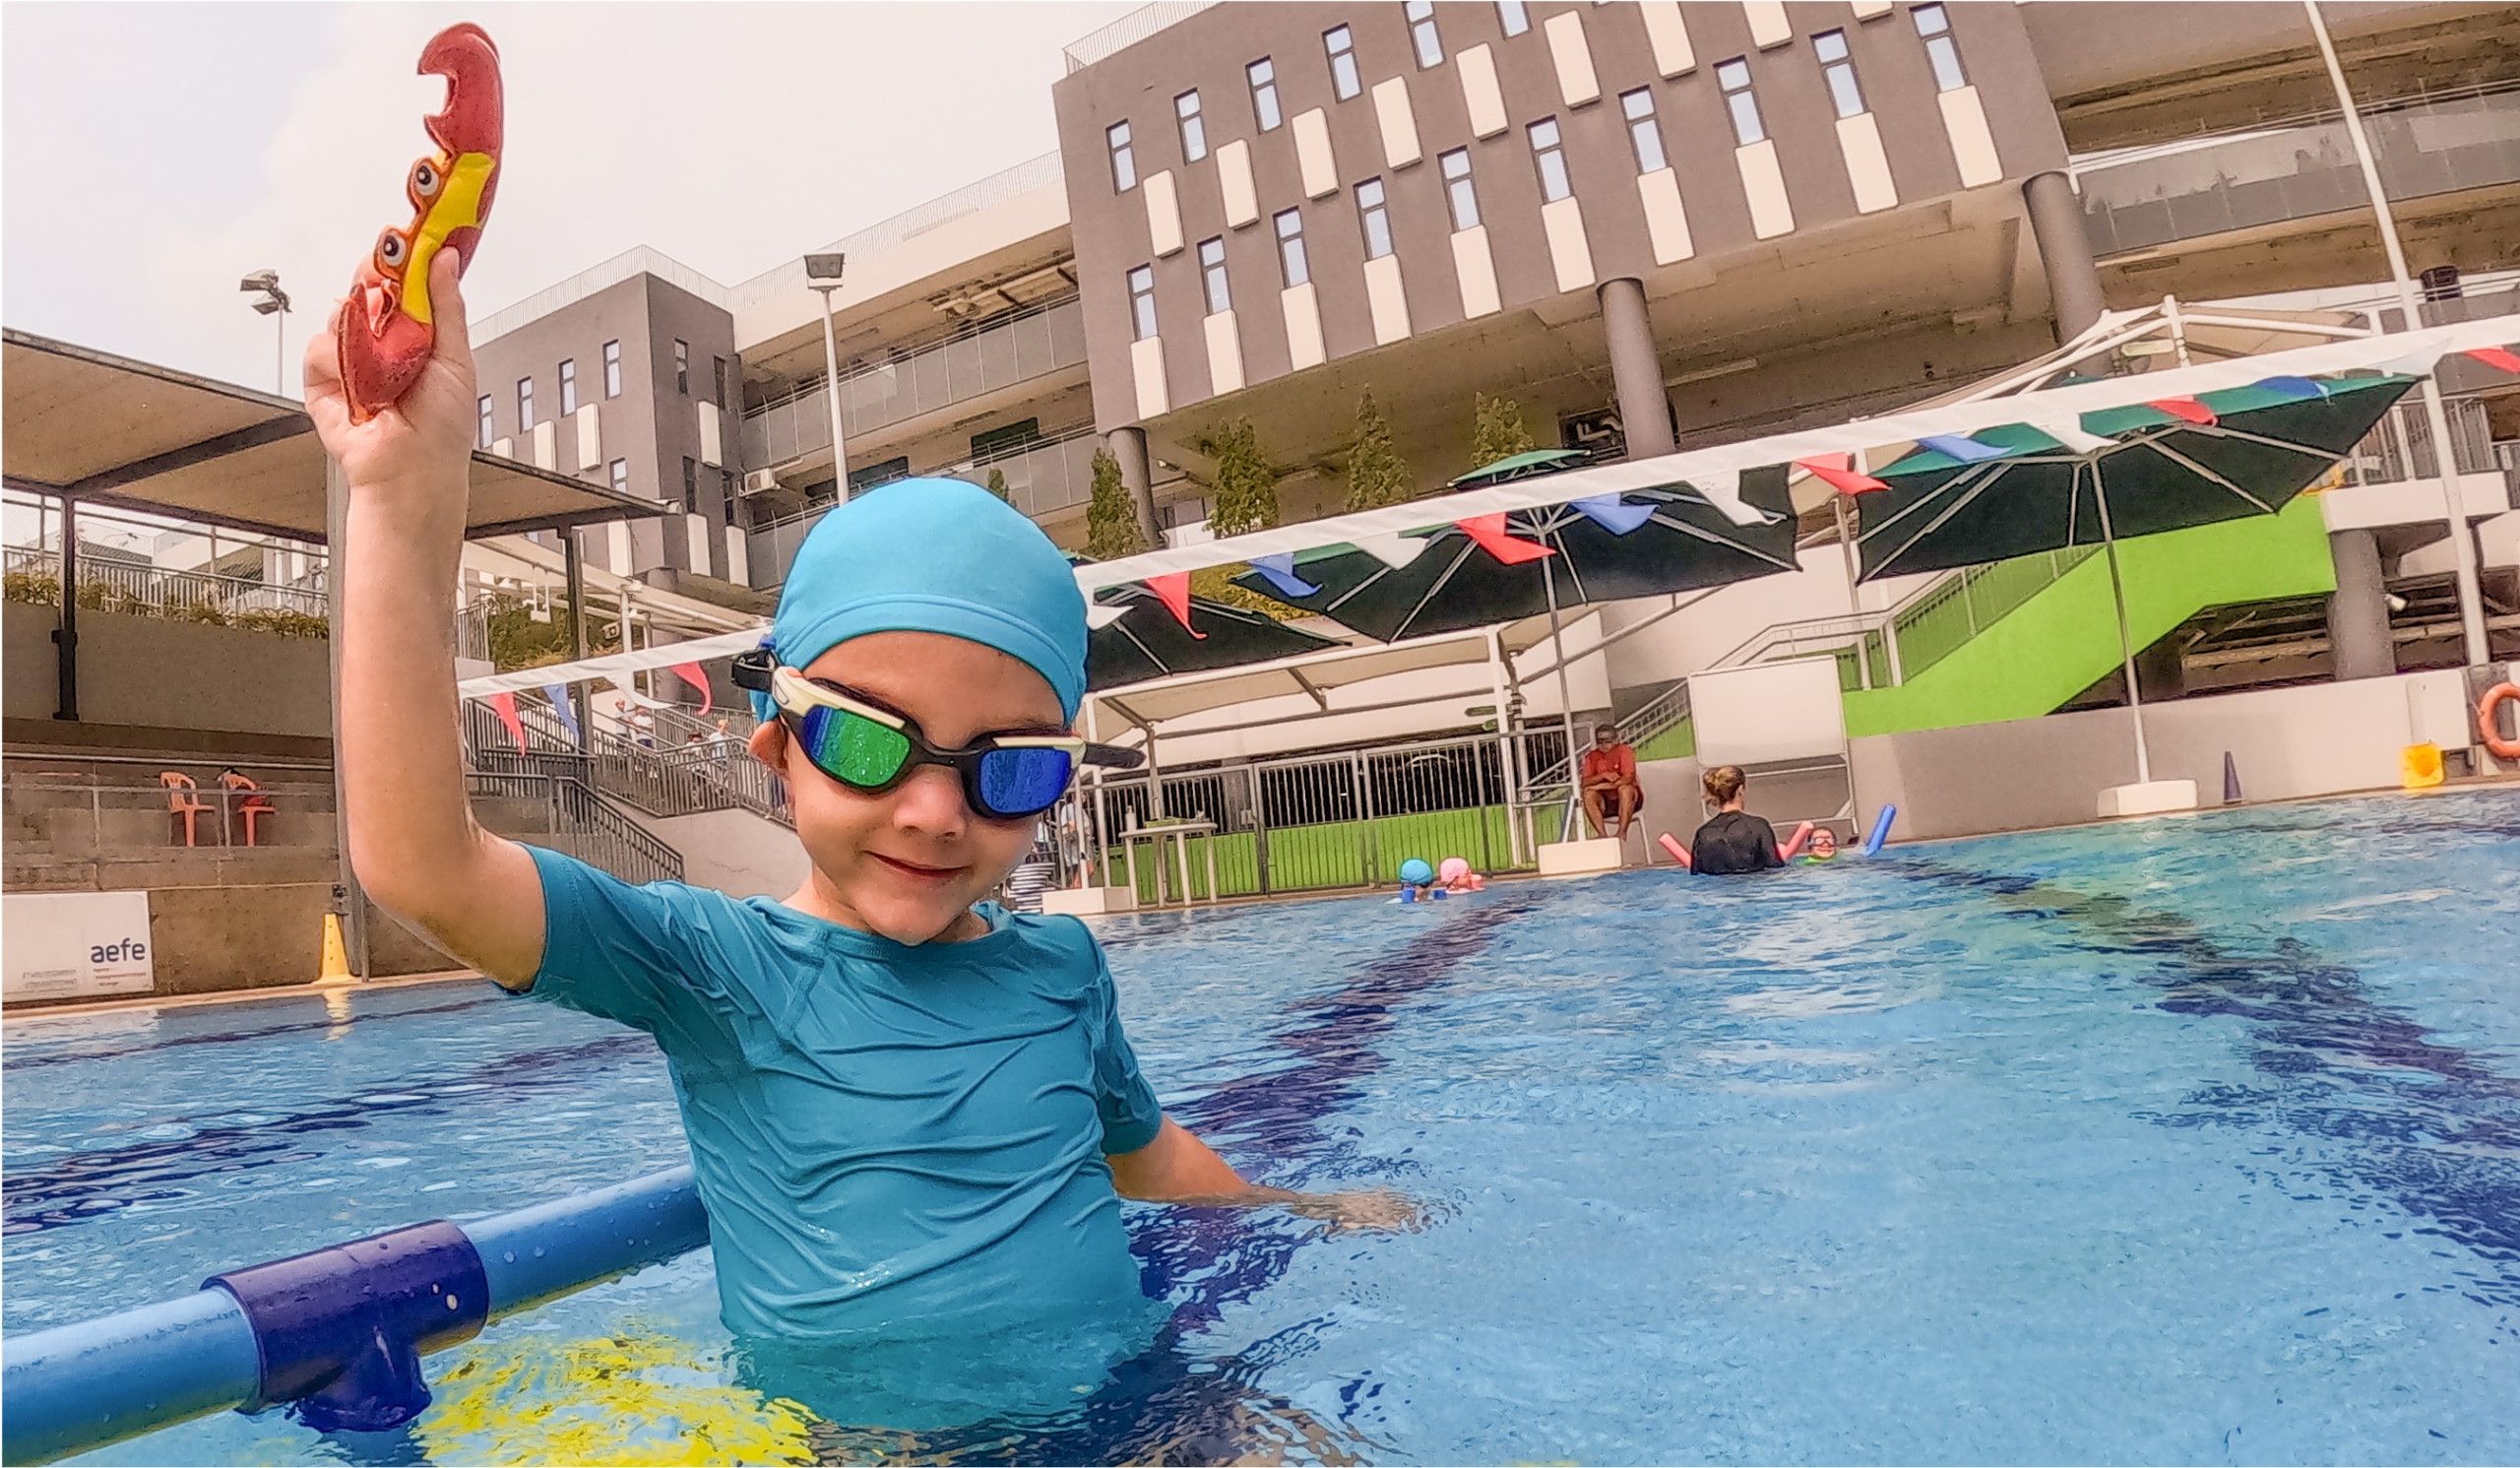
x: 112, y: 430
x: 1313, y: 677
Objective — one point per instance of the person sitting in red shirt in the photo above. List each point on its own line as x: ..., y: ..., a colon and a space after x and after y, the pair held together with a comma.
x: 1610, y: 784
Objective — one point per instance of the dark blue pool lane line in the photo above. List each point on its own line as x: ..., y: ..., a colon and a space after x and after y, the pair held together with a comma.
x: 2433, y: 1127
x: 81, y: 1187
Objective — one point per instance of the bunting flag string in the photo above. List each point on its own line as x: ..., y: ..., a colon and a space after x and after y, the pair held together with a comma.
x: 558, y: 693
x: 1173, y: 592
x: 1280, y: 572
x: 2503, y: 357
x: 2185, y: 408
x: 1489, y: 531
x: 1614, y: 513
x: 504, y: 705
x: 1838, y: 471
x: 1964, y: 449
x: 690, y: 672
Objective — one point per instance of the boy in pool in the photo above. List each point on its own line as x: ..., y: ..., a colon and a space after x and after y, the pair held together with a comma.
x: 906, y: 1109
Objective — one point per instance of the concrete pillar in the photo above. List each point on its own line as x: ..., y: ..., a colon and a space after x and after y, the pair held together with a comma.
x: 1635, y: 372
x: 1128, y: 446
x: 2064, y: 250
x: 2358, y: 615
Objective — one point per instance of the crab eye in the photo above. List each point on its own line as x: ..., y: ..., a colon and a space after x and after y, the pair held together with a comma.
x: 391, y: 249
x: 425, y: 179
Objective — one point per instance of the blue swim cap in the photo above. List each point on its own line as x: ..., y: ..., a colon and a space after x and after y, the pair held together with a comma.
x: 935, y: 555
x: 1416, y: 874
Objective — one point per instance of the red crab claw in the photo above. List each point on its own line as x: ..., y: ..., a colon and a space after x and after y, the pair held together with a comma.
x: 474, y: 118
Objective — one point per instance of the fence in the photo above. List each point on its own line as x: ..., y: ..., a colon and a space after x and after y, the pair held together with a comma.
x: 563, y: 814
x: 1043, y: 477
x: 108, y: 584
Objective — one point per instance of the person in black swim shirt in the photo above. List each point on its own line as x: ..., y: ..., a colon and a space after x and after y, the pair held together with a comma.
x: 1734, y: 841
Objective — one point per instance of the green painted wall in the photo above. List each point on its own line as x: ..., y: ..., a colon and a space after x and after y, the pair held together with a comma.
x: 1333, y: 854
x: 2064, y: 639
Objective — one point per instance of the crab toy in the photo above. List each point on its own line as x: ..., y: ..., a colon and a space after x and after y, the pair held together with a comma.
x: 387, y: 330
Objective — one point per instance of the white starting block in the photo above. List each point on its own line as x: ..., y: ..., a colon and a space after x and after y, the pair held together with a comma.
x: 2154, y: 797
x: 1089, y: 902
x: 1581, y: 857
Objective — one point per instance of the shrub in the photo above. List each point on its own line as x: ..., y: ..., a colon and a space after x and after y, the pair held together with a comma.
x: 1496, y: 430
x: 1111, y: 519
x: 1376, y: 474
x: 997, y: 483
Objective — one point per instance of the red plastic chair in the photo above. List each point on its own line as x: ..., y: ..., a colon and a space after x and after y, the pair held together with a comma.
x: 253, y: 807
x: 180, y: 801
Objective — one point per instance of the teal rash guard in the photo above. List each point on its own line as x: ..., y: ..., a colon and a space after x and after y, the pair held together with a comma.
x: 887, y: 1138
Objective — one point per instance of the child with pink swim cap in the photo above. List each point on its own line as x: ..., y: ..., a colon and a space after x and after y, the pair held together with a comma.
x: 1454, y: 875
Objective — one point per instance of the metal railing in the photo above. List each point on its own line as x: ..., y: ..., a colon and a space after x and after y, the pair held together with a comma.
x: 562, y: 813
x: 1129, y: 30
x: 1042, y: 478
x: 116, y: 584
x: 993, y: 354
x: 2399, y: 447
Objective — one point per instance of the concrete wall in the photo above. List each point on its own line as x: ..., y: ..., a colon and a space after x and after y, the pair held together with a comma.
x: 2319, y: 739
x: 154, y: 674
x: 736, y: 852
x: 30, y: 678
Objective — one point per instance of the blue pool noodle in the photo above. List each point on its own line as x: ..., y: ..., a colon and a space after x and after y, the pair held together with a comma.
x: 78, y: 1388
x: 1873, y: 844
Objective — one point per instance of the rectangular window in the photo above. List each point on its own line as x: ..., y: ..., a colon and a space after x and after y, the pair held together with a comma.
x: 1194, y: 129
x: 690, y: 485
x: 1550, y: 156
x: 1642, y: 130
x: 1343, y: 63
x: 1142, y: 300
x: 1290, y: 260
x: 1836, y: 66
x: 682, y: 366
x: 568, y: 386
x: 1733, y: 77
x: 1124, y: 159
x: 727, y: 495
x: 1458, y: 191
x: 1211, y: 274
x: 482, y: 435
x: 612, y: 370
x: 1940, y: 49
x: 1375, y: 217
x: 622, y: 476
x: 1264, y: 94
x: 525, y: 404
x: 720, y: 377
x: 1511, y: 15
x: 1422, y: 33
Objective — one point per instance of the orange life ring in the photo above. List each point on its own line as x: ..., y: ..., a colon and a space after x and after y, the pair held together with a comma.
x: 2494, y: 741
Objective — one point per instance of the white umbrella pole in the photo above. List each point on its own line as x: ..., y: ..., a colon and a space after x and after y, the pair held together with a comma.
x: 2126, y: 644
x: 1565, y: 700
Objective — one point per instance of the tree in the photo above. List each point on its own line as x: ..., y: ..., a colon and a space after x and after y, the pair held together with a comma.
x: 1244, y: 495
x: 1496, y: 430
x: 997, y: 483
x: 1111, y: 519
x: 1376, y: 474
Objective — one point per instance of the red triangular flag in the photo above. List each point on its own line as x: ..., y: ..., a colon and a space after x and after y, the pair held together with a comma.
x: 2183, y: 407
x: 1175, y: 591
x: 2496, y: 356
x: 1839, y: 472
x: 690, y: 674
x: 1489, y: 531
x: 504, y: 705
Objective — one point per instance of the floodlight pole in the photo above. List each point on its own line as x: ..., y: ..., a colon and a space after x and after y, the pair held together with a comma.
x: 2446, y: 459
x: 822, y: 276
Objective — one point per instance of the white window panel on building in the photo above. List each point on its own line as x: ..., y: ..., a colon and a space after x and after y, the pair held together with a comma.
x: 505, y: 448
x: 1398, y: 122
x: 1302, y: 312
x: 1667, y: 32
x: 590, y: 436
x: 546, y: 444
x: 1146, y: 366
x: 1573, y: 57
x: 1479, y: 92
x: 1666, y: 223
x: 696, y: 539
x: 616, y: 546
x: 1224, y: 354
x: 1858, y: 135
x: 1871, y: 10
x: 738, y: 562
x: 1964, y: 116
x: 1389, y: 302
x: 1312, y: 154
x: 1569, y: 253
x: 1769, y: 27
x: 1475, y: 265
x: 1763, y: 184
x: 1162, y: 212
x: 711, y: 448
x: 1234, y: 179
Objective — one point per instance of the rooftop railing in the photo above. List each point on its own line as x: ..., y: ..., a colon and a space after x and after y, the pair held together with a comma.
x: 1129, y: 30
x: 1042, y: 478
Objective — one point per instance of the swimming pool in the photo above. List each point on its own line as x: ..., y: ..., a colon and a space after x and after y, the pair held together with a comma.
x: 2187, y: 1140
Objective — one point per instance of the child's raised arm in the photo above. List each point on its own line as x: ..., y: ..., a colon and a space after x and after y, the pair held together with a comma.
x: 413, y: 840
x: 1788, y: 850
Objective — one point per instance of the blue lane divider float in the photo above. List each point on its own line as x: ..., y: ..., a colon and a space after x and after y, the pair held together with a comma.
x: 1880, y: 830
x: 338, y: 1332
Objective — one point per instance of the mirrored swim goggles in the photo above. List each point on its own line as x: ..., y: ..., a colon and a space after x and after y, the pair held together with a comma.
x: 869, y: 747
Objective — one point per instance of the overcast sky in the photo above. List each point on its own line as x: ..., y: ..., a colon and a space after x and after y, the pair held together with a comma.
x: 152, y: 155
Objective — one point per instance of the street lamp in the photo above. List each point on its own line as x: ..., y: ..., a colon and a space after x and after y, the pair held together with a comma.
x: 822, y: 276
x: 274, y: 304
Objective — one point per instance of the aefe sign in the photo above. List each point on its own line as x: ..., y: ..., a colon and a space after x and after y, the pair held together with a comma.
x: 66, y: 945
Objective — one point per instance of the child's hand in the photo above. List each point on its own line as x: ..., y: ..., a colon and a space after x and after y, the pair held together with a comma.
x: 1379, y: 1209
x: 423, y: 445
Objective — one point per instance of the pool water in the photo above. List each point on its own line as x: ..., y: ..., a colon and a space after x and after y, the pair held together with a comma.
x: 2191, y: 1140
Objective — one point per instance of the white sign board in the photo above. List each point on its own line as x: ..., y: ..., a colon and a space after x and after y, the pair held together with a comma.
x: 1768, y: 712
x: 73, y: 945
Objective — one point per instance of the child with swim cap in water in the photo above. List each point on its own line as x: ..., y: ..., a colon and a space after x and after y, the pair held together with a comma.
x: 909, y: 1111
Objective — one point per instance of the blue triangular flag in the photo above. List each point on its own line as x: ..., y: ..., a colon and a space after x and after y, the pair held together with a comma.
x: 1966, y: 450
x: 558, y: 693
x: 1279, y: 571
x: 1613, y: 513
x: 2297, y: 389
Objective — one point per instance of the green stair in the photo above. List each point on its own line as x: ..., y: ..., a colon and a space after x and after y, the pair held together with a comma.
x: 2063, y: 638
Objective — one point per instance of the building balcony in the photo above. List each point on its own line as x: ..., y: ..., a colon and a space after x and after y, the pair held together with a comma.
x: 2143, y: 199
x: 1002, y: 353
